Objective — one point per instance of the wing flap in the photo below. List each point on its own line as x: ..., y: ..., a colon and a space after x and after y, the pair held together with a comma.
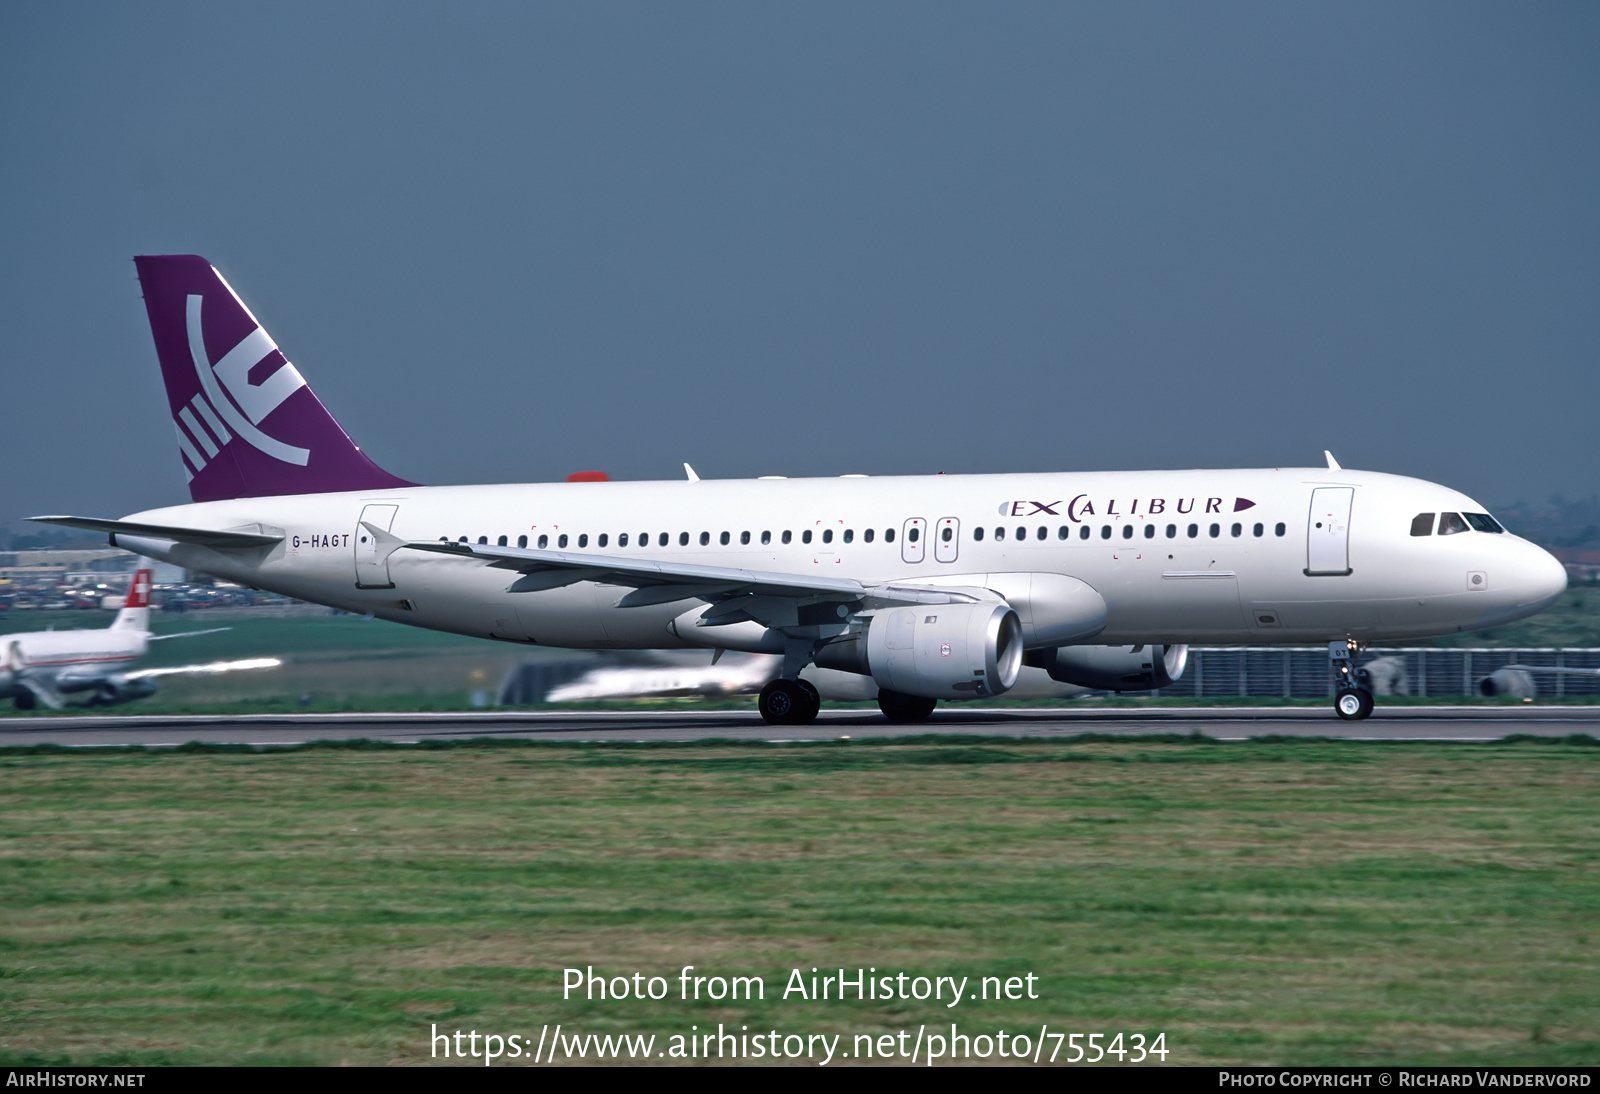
x: 640, y: 573
x: 658, y: 582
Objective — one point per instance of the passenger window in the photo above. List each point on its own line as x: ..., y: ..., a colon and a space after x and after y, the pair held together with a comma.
x: 999, y: 533
x: 744, y: 538
x: 1062, y: 533
x: 766, y: 538
x: 1237, y: 530
x: 603, y: 540
x: 683, y: 539
x: 849, y: 535
x: 724, y: 539
x: 1149, y: 531
x: 1022, y: 533
x: 1083, y: 533
x: 705, y: 539
x: 1451, y: 523
x: 1259, y: 528
x: 977, y: 533
x: 1194, y: 530
x: 1279, y: 529
x: 501, y: 542
x: 463, y: 539
x: 888, y: 535
x: 805, y: 537
x: 622, y: 540
x: 522, y: 541
x: 867, y: 535
x: 562, y: 542
x: 1483, y: 522
x: 945, y: 534
x: 1216, y: 530
x: 1127, y: 531
x: 1422, y: 524
x: 1042, y: 533
x: 662, y: 540
x: 1105, y: 531
x: 583, y: 540
x: 787, y: 535
x: 1172, y: 531
x: 914, y: 535
x: 484, y: 540
x: 544, y: 541
x: 827, y: 535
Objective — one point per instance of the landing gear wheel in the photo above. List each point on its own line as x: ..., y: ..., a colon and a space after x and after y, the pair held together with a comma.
x: 788, y: 703
x: 813, y: 702
x: 1353, y: 704
x: 900, y: 707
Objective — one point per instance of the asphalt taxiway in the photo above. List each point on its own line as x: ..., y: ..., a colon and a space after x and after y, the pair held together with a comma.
x: 1432, y: 723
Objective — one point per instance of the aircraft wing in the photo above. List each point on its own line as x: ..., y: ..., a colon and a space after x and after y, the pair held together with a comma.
x: 204, y: 537
x: 657, y: 582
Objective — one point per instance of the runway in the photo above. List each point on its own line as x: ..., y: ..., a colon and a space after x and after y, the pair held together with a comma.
x: 1458, y: 724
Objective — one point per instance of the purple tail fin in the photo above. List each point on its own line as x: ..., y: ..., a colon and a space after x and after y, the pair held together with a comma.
x: 248, y: 425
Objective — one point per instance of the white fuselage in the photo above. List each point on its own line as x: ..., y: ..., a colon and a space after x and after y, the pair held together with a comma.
x: 1177, y: 556
x: 68, y: 661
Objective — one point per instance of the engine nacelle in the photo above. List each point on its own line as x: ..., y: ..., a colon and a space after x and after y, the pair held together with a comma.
x: 1113, y: 668
x: 121, y: 689
x: 938, y: 651
x: 1517, y: 683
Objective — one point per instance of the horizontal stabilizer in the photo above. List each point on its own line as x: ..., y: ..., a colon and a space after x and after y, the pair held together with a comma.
x: 204, y: 537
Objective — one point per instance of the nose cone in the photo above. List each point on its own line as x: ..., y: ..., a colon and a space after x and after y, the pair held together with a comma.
x: 1542, y: 578
x: 1533, y: 580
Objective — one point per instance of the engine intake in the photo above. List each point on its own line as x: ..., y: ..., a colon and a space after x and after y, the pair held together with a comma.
x: 938, y: 651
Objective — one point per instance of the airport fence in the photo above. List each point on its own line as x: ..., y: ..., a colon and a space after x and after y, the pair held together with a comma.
x: 1304, y: 673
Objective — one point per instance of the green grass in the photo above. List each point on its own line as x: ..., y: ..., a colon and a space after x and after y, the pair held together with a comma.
x: 1287, y: 902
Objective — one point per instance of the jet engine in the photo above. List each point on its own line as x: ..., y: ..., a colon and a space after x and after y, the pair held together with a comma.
x: 937, y: 651
x: 121, y: 689
x: 1112, y: 668
x: 1517, y: 683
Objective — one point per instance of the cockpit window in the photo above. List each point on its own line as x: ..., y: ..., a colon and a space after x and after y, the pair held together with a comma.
x: 1451, y: 523
x: 1483, y: 522
x: 1422, y: 524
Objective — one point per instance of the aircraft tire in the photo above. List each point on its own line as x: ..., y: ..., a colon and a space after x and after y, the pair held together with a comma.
x: 23, y: 700
x: 1353, y: 704
x: 900, y: 707
x: 785, y: 703
x: 813, y: 704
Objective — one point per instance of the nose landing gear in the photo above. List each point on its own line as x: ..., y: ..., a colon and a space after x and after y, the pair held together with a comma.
x: 1352, y: 702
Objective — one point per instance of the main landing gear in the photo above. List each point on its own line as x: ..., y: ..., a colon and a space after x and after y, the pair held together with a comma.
x: 1352, y: 702
x: 789, y: 703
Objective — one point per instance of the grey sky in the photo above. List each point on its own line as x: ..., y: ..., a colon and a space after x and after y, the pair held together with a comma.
x: 506, y: 242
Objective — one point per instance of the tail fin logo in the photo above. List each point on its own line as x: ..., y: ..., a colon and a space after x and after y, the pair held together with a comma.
x: 228, y: 404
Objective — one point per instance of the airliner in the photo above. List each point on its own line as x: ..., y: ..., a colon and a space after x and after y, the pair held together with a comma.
x: 47, y: 666
x: 933, y: 586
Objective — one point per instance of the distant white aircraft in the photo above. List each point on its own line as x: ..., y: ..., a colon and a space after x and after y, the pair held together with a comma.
x: 933, y: 587
x: 46, y: 666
